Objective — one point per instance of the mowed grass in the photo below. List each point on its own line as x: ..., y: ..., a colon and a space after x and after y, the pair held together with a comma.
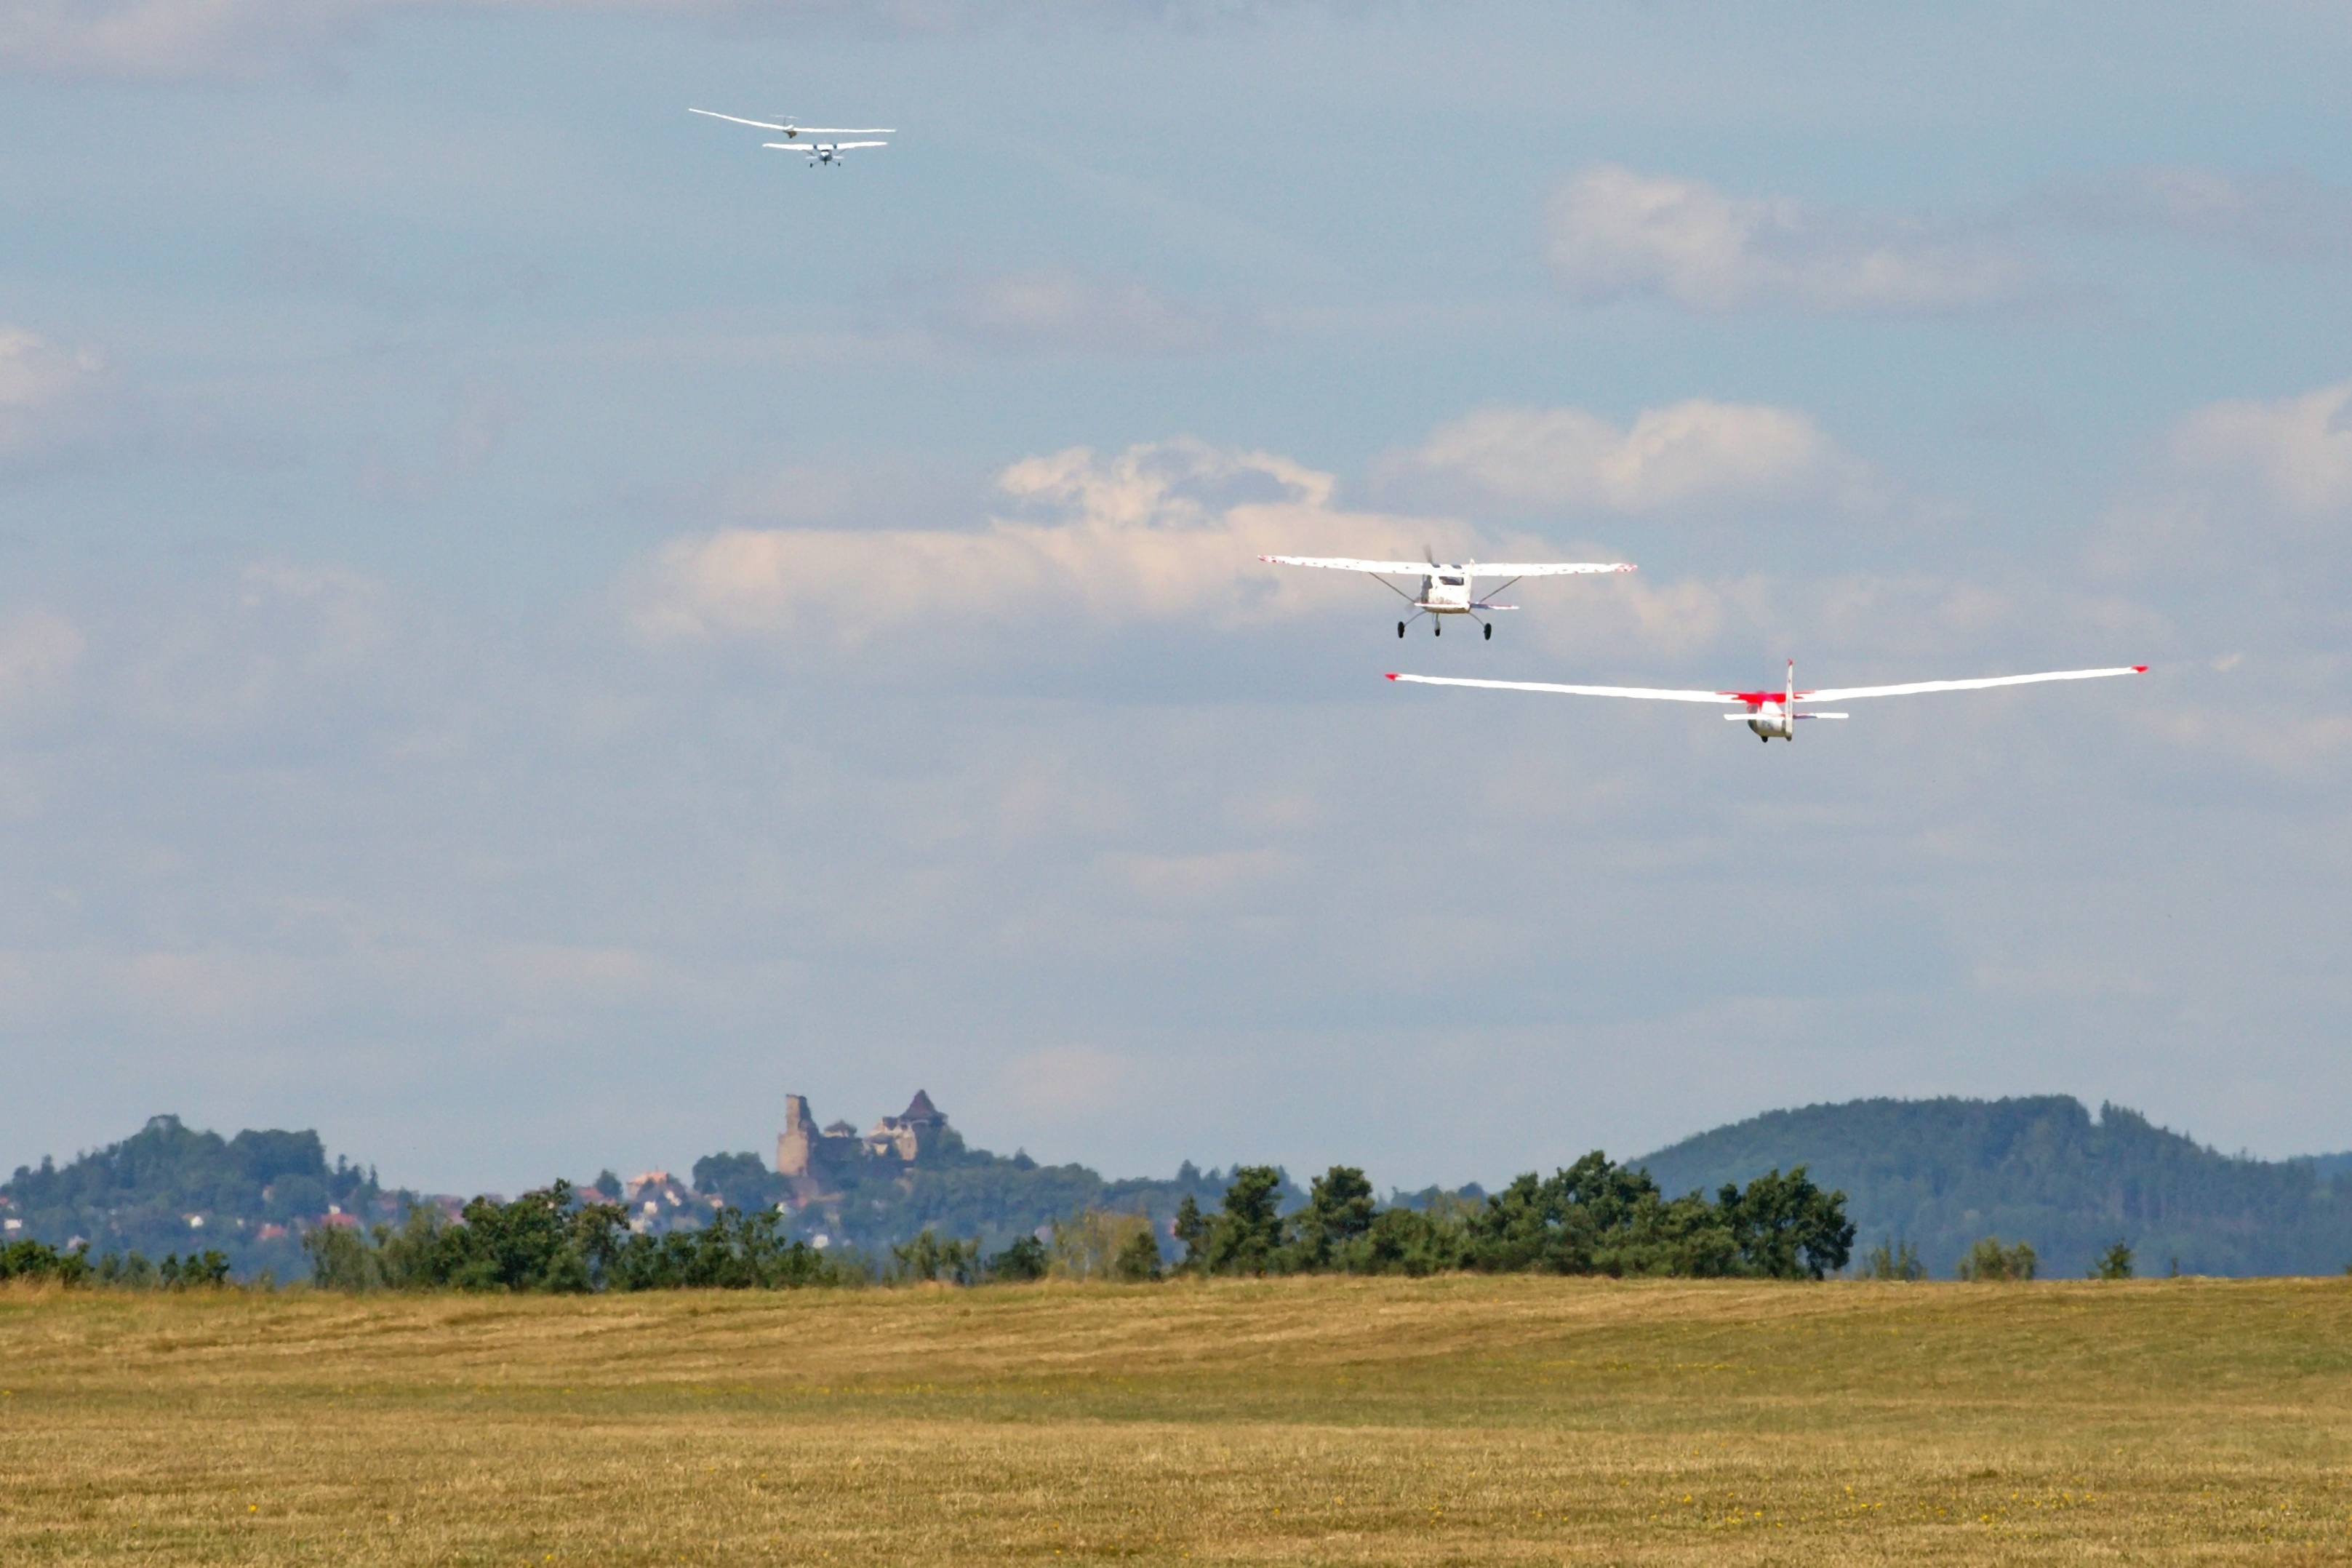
x: 1448, y: 1421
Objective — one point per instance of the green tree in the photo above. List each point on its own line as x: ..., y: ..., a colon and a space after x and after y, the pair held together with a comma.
x: 1338, y: 1213
x: 2115, y: 1263
x: 1027, y: 1259
x: 930, y: 1258
x: 1193, y: 1228
x: 1247, y: 1235
x: 1989, y: 1261
x: 1786, y: 1227
x: 1138, y: 1259
x: 1896, y: 1260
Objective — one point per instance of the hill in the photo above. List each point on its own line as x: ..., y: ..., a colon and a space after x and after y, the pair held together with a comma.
x: 169, y: 1189
x: 1942, y: 1172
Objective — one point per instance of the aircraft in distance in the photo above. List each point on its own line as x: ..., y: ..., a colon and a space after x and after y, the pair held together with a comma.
x: 818, y: 152
x: 1770, y: 714
x: 1447, y: 590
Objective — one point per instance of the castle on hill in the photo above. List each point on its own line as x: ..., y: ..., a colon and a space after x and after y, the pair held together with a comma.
x: 809, y: 1153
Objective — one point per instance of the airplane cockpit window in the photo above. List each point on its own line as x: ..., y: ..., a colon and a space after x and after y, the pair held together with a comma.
x: 1451, y: 581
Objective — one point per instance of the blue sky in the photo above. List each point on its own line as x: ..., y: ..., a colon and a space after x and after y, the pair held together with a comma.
x: 532, y: 628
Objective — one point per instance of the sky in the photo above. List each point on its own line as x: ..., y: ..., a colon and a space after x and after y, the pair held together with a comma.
x: 531, y: 627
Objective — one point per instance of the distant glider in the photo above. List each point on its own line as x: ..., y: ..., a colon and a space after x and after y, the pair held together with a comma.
x: 1447, y: 590
x: 818, y: 152
x: 1775, y: 713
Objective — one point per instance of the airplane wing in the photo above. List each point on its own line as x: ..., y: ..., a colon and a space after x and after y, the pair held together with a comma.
x: 1345, y: 563
x: 1646, y: 693
x: 1842, y: 693
x: 760, y: 123
x: 815, y: 146
x: 840, y: 129
x: 1544, y: 568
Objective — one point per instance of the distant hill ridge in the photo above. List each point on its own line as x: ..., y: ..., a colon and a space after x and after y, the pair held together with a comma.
x: 1939, y: 1173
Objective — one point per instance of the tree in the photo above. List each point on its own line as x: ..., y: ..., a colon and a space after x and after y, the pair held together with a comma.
x: 1192, y: 1230
x: 1787, y: 1227
x: 2115, y: 1263
x: 1989, y: 1261
x: 929, y: 1258
x: 1339, y: 1212
x: 1138, y: 1260
x: 1246, y: 1236
x: 1027, y: 1259
x: 1092, y: 1245
x: 1899, y: 1260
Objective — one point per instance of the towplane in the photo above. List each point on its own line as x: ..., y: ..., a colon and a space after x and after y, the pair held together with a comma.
x: 1451, y: 590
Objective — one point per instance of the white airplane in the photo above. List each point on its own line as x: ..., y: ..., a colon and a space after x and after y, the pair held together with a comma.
x: 1771, y: 713
x: 818, y: 152
x: 1447, y: 590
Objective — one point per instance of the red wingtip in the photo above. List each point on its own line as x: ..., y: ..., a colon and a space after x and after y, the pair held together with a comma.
x: 1393, y: 675
x: 2139, y: 669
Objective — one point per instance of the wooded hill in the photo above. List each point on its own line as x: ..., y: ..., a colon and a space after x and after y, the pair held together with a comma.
x: 1941, y: 1173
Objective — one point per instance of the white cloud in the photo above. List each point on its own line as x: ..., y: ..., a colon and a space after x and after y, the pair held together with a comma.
x: 1159, y: 532
x: 2295, y: 451
x: 2277, y: 217
x: 1064, y: 313
x: 1688, y: 453
x: 253, y: 40
x: 170, y: 40
x: 2245, y: 507
x: 1615, y: 233
x: 50, y: 398
x: 38, y: 649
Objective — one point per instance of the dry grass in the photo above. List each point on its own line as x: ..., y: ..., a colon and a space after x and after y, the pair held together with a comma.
x: 1454, y: 1421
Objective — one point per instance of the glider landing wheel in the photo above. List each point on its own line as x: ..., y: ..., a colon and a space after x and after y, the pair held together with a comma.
x: 1490, y: 634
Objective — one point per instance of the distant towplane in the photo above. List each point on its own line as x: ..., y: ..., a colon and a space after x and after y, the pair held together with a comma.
x: 818, y: 152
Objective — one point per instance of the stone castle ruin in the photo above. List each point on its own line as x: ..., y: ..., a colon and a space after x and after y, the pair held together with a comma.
x: 815, y: 1157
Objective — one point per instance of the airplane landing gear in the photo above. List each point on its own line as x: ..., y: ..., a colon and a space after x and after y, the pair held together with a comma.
x: 1400, y: 628
x: 1436, y: 629
x: 1490, y: 631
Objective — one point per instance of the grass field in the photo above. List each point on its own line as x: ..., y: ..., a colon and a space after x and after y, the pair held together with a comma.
x: 1451, y: 1421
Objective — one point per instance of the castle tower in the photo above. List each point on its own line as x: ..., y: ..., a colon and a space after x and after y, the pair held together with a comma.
x: 796, y: 1144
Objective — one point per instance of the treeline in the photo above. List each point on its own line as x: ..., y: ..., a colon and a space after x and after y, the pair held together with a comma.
x: 1594, y: 1217
x: 130, y: 1271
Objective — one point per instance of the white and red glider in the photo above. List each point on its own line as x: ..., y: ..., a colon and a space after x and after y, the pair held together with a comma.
x: 1775, y: 713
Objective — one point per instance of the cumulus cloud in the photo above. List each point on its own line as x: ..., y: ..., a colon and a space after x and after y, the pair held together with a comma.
x: 2295, y: 452
x: 1064, y: 313
x: 2282, y: 215
x: 39, y: 650
x: 1616, y: 234
x: 1157, y: 532
x: 49, y: 399
x: 1686, y: 454
x: 2244, y: 512
x: 253, y: 40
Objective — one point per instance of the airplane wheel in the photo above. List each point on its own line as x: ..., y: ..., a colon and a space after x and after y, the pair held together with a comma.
x: 1490, y: 634
x: 1437, y: 629
x: 1400, y: 628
